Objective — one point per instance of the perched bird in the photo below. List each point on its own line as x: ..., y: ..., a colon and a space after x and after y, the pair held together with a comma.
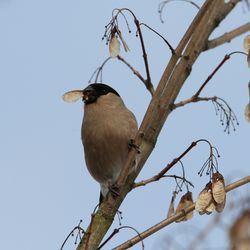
x: 107, y: 129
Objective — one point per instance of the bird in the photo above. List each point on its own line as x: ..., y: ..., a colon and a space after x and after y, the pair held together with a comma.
x: 108, y: 128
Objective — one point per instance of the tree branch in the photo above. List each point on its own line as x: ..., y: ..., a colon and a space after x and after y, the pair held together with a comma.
x: 166, y: 169
x: 228, y: 36
x: 136, y: 73
x: 172, y: 80
x: 173, y: 218
x: 192, y: 100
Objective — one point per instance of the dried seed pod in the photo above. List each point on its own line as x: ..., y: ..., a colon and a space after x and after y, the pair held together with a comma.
x: 211, y: 207
x: 171, y: 206
x: 219, y: 207
x: 185, y: 201
x: 124, y: 44
x: 72, y: 96
x: 204, y: 199
x: 114, y: 47
x: 246, y: 44
x: 218, y: 188
x: 247, y: 112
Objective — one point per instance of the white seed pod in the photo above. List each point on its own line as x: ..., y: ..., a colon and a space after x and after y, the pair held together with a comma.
x: 114, y: 47
x: 246, y: 44
x: 203, y: 201
x: 247, y: 112
x: 185, y: 201
x: 218, y: 188
x: 72, y: 96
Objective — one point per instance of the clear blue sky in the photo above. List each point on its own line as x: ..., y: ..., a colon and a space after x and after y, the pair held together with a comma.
x: 50, y: 47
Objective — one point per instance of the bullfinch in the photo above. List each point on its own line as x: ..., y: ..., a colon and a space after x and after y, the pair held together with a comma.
x: 107, y: 130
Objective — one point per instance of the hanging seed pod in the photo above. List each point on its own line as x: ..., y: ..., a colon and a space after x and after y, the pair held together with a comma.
x: 114, y: 47
x: 220, y: 207
x: 185, y: 201
x: 247, y: 112
x: 211, y: 207
x: 72, y: 96
x: 246, y: 44
x: 171, y: 206
x: 218, y: 188
x: 124, y: 44
x: 204, y: 200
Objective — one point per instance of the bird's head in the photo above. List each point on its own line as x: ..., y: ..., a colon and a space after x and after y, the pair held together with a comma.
x: 95, y: 90
x: 90, y: 94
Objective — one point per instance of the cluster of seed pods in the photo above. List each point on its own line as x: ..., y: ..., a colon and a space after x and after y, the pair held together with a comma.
x: 213, y: 196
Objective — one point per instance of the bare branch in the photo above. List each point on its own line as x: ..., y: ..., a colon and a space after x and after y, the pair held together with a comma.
x: 136, y: 73
x: 228, y: 36
x: 173, y: 218
x: 192, y: 100
x: 167, y: 168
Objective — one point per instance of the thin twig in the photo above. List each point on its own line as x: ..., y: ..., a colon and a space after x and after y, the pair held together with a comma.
x: 116, y: 231
x: 211, y: 75
x: 228, y: 36
x: 163, y: 38
x: 134, y: 71
x: 192, y: 100
x: 145, y: 57
x: 166, y: 169
x: 149, y: 84
x: 162, y: 5
x: 175, y: 217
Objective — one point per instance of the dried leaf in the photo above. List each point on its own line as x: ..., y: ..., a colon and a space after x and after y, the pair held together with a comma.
x: 247, y: 112
x: 114, y: 47
x: 185, y: 201
x: 72, y: 96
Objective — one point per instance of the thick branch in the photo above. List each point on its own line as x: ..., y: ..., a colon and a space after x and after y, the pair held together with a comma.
x: 228, y: 36
x: 175, y: 217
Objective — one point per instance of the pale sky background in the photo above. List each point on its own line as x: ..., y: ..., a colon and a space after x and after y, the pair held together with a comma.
x: 50, y: 47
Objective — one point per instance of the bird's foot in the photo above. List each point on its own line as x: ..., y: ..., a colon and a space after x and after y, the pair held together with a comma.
x: 114, y: 190
x: 132, y: 144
